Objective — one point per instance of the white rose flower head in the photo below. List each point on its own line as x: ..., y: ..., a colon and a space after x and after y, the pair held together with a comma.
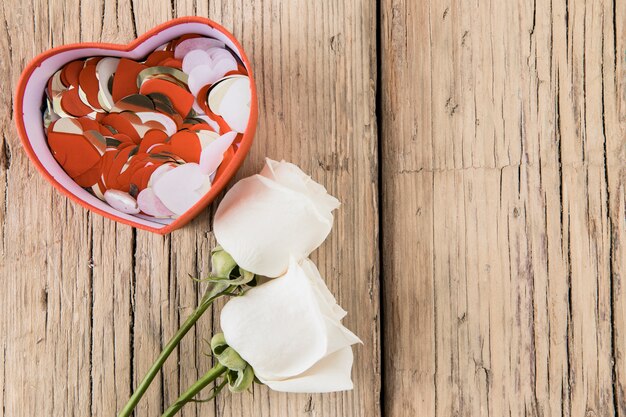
x: 267, y: 218
x: 289, y: 330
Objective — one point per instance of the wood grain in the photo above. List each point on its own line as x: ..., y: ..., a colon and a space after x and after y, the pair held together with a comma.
x: 501, y: 172
x: 503, y: 175
x: 87, y: 304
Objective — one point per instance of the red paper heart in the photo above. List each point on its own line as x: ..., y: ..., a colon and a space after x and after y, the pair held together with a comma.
x: 28, y: 117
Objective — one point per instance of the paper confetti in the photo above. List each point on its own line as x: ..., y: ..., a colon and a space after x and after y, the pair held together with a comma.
x: 149, y: 137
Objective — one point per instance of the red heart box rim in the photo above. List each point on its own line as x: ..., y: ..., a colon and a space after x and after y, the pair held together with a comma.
x: 45, y: 64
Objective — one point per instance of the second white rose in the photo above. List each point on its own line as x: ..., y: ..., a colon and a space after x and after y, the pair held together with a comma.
x: 289, y: 330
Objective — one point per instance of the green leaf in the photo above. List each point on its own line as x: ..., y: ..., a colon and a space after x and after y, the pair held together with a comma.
x: 240, y: 375
x: 231, y: 359
x: 241, y: 380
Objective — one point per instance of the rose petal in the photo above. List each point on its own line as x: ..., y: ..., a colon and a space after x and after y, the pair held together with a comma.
x: 338, y: 335
x: 327, y: 300
x: 290, y: 175
x: 276, y: 327
x: 328, y: 375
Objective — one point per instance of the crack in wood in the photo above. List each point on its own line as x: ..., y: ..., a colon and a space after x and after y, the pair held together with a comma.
x: 91, y: 310
x: 133, y: 291
x: 133, y: 17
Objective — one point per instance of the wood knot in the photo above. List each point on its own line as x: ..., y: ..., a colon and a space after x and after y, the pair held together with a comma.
x: 451, y: 106
x: 44, y: 298
x: 337, y: 44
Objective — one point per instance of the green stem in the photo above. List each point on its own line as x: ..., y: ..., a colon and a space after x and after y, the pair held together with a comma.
x: 214, y: 292
x: 193, y: 390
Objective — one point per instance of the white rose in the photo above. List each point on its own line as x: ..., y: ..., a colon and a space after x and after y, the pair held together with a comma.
x: 289, y: 331
x: 266, y: 219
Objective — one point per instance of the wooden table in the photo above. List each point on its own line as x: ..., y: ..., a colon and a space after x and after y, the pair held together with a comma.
x: 479, y: 150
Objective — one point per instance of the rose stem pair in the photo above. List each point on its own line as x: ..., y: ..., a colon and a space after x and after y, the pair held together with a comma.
x: 211, y: 295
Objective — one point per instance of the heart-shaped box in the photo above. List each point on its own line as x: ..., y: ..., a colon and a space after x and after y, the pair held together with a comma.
x: 28, y: 115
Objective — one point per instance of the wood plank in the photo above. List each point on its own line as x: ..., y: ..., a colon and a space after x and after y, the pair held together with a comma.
x: 88, y: 304
x: 503, y: 207
x: 46, y: 251
x: 315, y: 64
